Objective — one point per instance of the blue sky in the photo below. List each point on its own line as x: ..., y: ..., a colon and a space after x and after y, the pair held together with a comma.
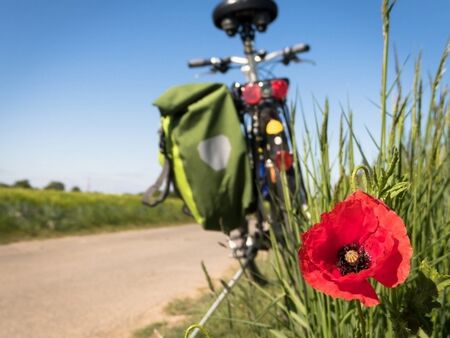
x: 77, y: 77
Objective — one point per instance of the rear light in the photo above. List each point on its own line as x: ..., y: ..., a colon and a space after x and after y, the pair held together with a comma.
x: 252, y: 93
x: 279, y: 89
x: 284, y: 160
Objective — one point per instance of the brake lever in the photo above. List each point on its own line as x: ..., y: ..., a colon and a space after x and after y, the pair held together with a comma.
x: 294, y: 58
x: 222, y: 68
x: 211, y: 71
x: 298, y: 60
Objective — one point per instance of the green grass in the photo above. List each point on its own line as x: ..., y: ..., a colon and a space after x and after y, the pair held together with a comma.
x: 148, y: 331
x: 411, y: 173
x: 236, y: 317
x: 221, y: 325
x: 27, y: 214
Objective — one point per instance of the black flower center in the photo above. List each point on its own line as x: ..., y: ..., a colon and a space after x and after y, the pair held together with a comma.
x: 352, y: 258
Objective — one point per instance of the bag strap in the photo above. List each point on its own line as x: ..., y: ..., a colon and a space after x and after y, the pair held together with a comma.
x: 165, y: 177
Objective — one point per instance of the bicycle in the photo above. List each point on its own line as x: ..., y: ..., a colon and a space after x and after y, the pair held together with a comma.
x: 266, y: 122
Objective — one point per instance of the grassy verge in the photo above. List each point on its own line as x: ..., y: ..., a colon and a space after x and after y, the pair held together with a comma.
x: 411, y: 175
x: 27, y: 214
x: 231, y: 320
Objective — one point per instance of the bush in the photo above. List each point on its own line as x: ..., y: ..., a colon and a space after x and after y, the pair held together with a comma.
x: 24, y: 184
x: 55, y: 185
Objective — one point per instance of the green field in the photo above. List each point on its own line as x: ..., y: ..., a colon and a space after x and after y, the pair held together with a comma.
x: 26, y: 214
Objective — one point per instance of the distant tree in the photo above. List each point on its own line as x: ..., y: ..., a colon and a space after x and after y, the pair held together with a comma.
x: 55, y: 185
x: 76, y: 189
x: 3, y: 185
x: 24, y: 184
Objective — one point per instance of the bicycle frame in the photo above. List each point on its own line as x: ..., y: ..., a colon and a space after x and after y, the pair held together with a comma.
x: 260, y: 150
x: 267, y: 108
x: 250, y: 71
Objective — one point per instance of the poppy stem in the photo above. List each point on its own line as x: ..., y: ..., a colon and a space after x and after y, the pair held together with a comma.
x: 355, y: 176
x: 362, y: 319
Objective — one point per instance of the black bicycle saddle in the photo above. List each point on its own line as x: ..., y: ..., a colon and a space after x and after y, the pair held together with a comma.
x: 230, y: 14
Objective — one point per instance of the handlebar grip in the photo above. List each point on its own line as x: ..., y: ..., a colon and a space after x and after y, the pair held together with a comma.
x: 300, y: 48
x: 198, y: 63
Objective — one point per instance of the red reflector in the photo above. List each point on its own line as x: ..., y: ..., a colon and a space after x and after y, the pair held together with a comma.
x: 252, y: 93
x: 279, y: 89
x: 284, y: 160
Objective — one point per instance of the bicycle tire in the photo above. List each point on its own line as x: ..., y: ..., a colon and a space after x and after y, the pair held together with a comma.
x: 281, y: 180
x: 277, y: 214
x: 255, y: 273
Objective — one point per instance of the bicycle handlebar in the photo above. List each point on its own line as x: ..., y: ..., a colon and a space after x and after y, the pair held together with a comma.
x: 287, y: 55
x: 199, y: 63
x: 299, y: 48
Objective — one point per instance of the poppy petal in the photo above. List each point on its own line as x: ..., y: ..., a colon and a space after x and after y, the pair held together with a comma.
x: 353, y: 222
x: 358, y: 290
x: 346, y: 287
x: 360, y: 222
x: 349, y: 289
x: 397, y: 265
x: 378, y: 246
x: 348, y: 223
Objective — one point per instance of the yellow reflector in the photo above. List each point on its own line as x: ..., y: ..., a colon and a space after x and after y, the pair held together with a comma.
x: 274, y: 127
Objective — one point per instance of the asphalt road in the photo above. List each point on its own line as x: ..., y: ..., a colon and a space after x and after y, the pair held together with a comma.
x: 102, y: 285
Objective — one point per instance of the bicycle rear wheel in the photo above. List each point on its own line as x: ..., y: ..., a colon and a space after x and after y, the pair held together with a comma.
x: 275, y: 181
x: 286, y: 190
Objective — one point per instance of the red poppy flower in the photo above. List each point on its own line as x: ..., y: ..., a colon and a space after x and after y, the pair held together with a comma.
x: 360, y: 238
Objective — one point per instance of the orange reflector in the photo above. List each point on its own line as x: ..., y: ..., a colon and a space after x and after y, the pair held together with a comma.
x: 273, y: 175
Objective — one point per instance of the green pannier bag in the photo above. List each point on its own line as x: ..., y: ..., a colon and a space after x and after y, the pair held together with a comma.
x: 204, y: 155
